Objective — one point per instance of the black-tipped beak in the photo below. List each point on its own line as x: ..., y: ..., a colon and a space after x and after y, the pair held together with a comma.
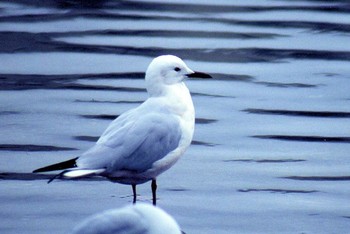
x: 199, y: 75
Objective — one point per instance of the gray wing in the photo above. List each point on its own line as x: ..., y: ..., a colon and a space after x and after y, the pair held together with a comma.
x: 134, y: 145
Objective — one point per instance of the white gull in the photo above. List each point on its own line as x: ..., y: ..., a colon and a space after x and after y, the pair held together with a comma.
x: 143, y: 142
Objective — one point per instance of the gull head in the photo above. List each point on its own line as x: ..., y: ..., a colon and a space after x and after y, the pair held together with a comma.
x: 168, y: 70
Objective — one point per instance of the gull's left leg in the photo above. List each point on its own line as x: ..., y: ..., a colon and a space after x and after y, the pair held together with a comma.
x: 134, y: 192
x: 154, y: 189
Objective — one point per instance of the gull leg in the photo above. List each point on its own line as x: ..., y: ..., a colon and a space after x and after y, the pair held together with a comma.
x: 134, y: 192
x: 154, y: 189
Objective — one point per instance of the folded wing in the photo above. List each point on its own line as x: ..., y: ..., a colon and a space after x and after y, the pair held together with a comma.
x: 134, y: 146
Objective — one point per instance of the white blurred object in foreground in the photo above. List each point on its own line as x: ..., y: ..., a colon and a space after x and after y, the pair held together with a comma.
x: 136, y: 219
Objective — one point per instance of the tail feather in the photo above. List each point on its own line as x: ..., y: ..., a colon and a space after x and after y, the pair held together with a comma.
x: 82, y: 172
x: 76, y: 173
x: 70, y: 170
x: 58, y: 166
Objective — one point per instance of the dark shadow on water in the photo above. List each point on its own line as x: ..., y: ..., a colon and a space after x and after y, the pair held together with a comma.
x: 32, y: 81
x: 115, y: 102
x: 318, y: 178
x: 9, y: 112
x: 328, y: 74
x: 232, y: 77
x: 86, y: 138
x: 202, y: 143
x: 299, y: 113
x: 166, y: 34
x: 24, y: 176
x: 205, y: 121
x: 322, y: 139
x: 286, y: 85
x: 98, y: 87
x: 38, y: 176
x: 193, y: 94
x: 177, y: 189
x: 79, y: 4
x: 34, y: 148
x: 101, y: 117
x: 39, y: 78
x: 266, y: 160
x: 283, y: 191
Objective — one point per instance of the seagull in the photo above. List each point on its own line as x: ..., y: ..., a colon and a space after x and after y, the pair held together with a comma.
x: 138, y: 218
x: 146, y: 141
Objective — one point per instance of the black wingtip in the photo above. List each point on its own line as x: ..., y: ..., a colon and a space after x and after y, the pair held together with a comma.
x: 58, y: 166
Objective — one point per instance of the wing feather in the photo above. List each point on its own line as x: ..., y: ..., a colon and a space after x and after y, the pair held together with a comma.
x: 134, y: 145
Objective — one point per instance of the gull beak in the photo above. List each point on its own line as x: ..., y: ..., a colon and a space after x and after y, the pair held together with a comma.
x: 198, y: 75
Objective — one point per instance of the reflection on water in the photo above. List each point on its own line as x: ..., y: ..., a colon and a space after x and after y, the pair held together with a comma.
x: 270, y: 152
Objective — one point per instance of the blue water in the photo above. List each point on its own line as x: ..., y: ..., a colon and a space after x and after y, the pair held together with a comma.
x: 272, y: 141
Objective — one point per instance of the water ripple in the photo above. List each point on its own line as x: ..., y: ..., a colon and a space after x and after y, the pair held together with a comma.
x: 36, y: 81
x: 299, y: 113
x: 266, y: 160
x: 35, y: 148
x: 283, y: 191
x: 336, y: 6
x: 319, y: 178
x: 28, y: 42
x: 101, y: 116
x: 286, y: 85
x: 35, y: 176
x: 305, y: 138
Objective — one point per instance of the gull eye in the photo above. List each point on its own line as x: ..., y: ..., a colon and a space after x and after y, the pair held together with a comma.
x: 177, y: 69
